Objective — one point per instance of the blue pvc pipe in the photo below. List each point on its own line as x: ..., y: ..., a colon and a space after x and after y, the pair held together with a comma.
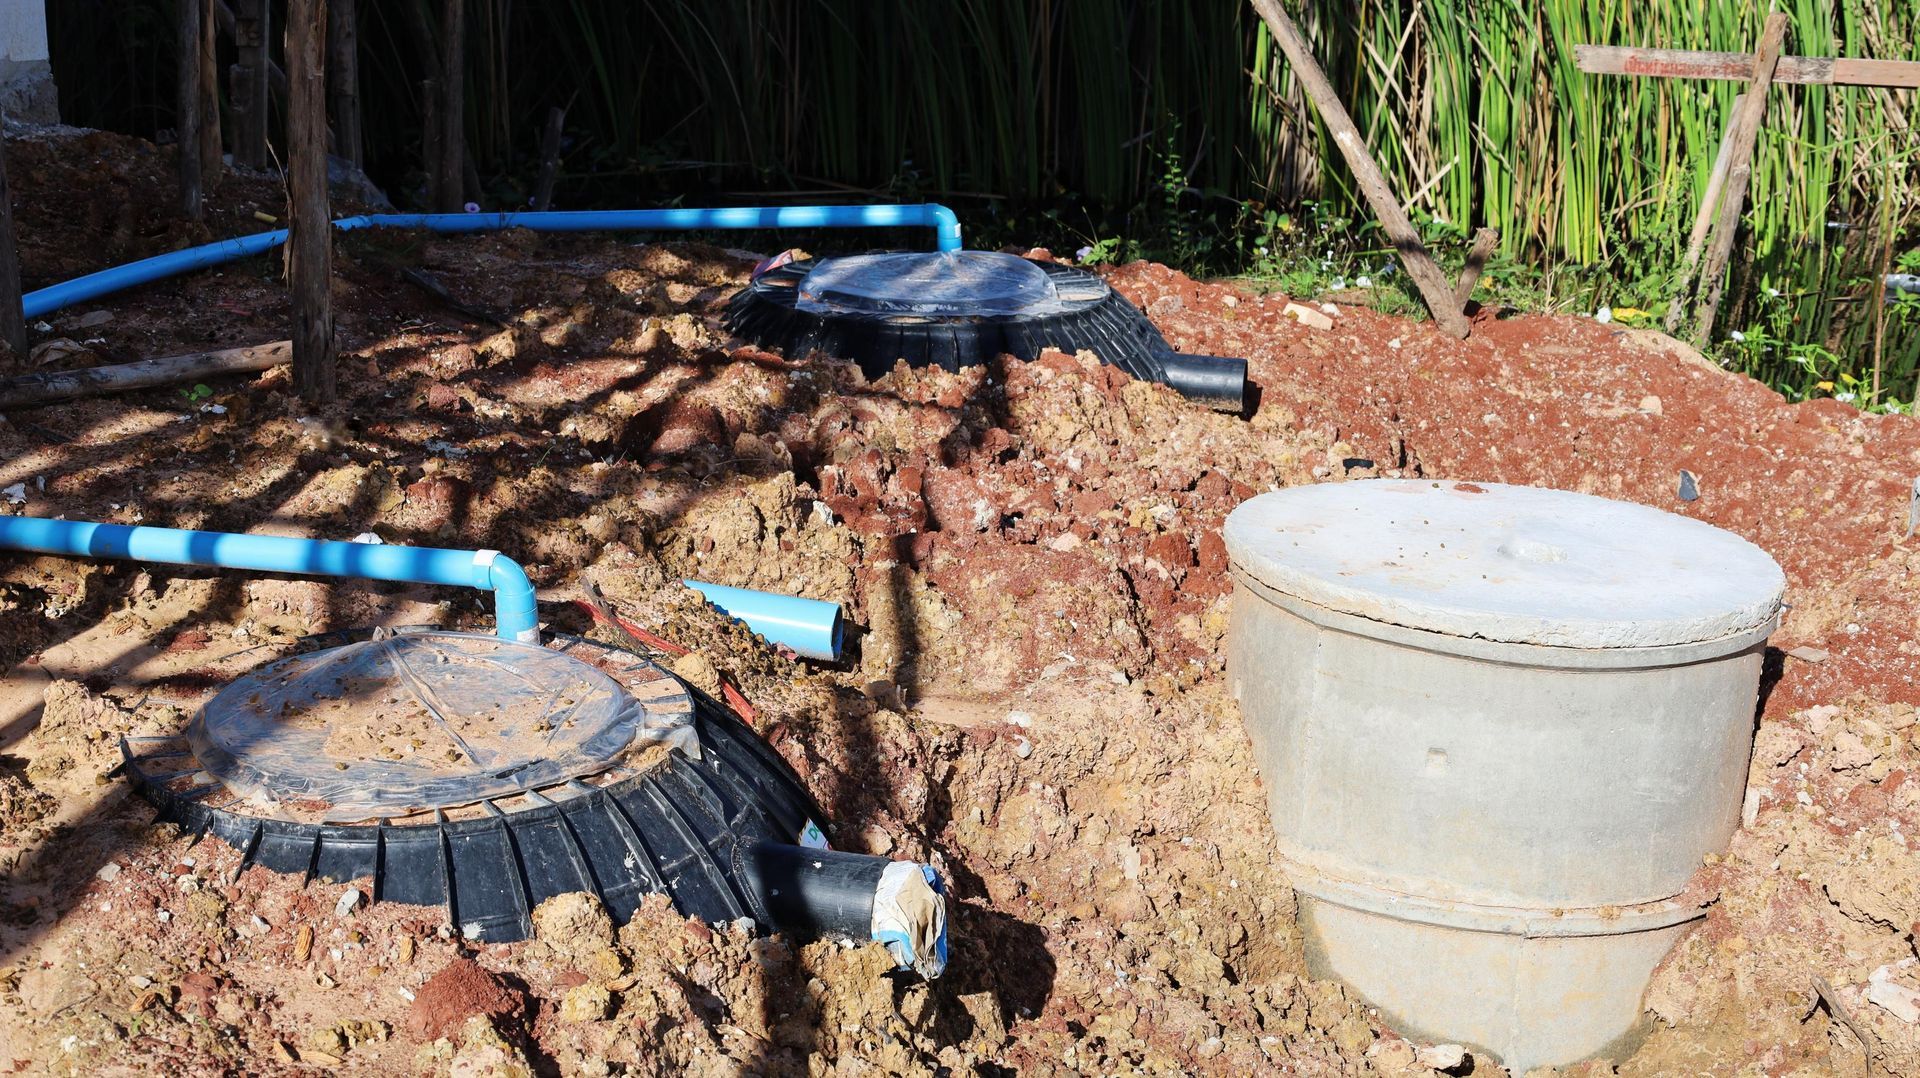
x: 810, y: 627
x: 488, y: 570
x: 946, y: 228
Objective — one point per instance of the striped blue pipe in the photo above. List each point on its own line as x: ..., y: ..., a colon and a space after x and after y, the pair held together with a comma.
x: 488, y: 570
x: 946, y: 228
x: 810, y: 627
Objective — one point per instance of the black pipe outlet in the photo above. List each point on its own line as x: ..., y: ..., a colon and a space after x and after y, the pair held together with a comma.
x: 1219, y: 382
x: 814, y: 893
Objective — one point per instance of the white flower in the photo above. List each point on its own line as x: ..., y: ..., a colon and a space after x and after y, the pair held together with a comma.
x: 1773, y: 293
x: 1845, y: 395
x: 1363, y: 282
x: 1603, y: 315
x: 1737, y: 335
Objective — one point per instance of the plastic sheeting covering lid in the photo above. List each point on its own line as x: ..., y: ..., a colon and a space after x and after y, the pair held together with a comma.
x: 935, y: 285
x: 1506, y: 563
x: 421, y: 720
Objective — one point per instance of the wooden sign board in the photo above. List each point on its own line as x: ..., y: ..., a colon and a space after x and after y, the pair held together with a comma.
x: 1738, y: 66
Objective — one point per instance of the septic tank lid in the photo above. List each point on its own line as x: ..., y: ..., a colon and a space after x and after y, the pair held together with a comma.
x: 423, y: 719
x: 1507, y: 563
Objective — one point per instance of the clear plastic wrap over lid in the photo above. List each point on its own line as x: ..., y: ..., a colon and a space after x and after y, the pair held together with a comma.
x: 935, y: 284
x: 419, y: 720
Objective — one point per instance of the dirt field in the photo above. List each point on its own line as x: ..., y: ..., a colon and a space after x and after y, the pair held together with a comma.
x: 1035, y: 702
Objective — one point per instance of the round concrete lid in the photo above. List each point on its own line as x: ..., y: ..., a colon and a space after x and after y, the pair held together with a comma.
x: 1496, y: 562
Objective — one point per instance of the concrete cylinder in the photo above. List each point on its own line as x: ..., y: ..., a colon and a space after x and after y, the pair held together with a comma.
x: 1498, y: 728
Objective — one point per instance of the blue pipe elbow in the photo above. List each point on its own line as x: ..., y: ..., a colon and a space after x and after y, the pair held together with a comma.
x: 515, y: 616
x: 943, y: 221
x: 811, y: 627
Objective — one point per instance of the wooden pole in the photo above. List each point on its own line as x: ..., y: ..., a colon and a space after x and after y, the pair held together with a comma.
x: 212, y: 164
x: 430, y: 138
x: 343, y: 80
x: 449, y: 170
x: 1753, y: 110
x: 45, y: 387
x: 187, y: 105
x: 251, y: 106
x: 1704, y: 217
x: 549, y: 158
x: 224, y: 19
x: 13, y: 319
x: 1433, y: 285
x: 310, y: 242
x: 1484, y: 243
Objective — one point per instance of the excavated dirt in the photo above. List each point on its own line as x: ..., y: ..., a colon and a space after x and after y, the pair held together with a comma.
x: 1030, y: 555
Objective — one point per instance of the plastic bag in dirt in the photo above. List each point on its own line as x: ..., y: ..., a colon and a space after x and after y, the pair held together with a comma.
x: 951, y: 283
x: 415, y: 720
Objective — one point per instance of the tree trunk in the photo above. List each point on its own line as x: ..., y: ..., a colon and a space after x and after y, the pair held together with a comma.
x: 212, y: 165
x: 187, y: 105
x: 310, y: 243
x: 450, y: 176
x: 343, y: 80
x: 251, y: 104
x: 13, y: 320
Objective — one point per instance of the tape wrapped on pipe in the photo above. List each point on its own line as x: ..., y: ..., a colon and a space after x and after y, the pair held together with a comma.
x: 910, y: 917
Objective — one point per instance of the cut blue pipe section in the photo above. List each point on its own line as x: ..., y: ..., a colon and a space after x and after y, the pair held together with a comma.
x: 945, y: 224
x: 487, y: 570
x: 811, y: 627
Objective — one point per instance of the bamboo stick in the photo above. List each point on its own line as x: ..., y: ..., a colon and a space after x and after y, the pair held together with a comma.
x: 1433, y: 285
x: 46, y: 387
x: 1752, y: 111
x: 310, y: 242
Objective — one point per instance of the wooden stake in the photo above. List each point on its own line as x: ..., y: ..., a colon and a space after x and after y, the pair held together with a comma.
x: 549, y: 158
x: 1753, y: 110
x: 228, y: 25
x: 248, y: 88
x: 212, y: 164
x: 310, y: 243
x: 450, y: 175
x: 430, y: 138
x: 343, y: 80
x: 1433, y: 285
x: 187, y: 105
x: 48, y: 386
x: 1484, y: 243
x: 1704, y: 217
x: 13, y: 319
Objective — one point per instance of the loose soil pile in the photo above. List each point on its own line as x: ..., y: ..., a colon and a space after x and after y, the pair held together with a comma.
x: 1034, y: 702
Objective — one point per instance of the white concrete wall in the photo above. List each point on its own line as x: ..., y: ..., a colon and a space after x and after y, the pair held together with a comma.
x: 26, y: 79
x: 23, y: 31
